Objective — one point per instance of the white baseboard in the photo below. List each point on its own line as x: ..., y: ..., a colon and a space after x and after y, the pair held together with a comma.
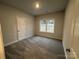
x: 18, y: 40
x: 10, y: 43
x: 71, y: 55
x: 65, y: 51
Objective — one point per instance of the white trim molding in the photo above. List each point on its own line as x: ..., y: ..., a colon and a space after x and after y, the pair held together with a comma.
x: 65, y: 51
x: 28, y: 36
x: 71, y: 55
x: 11, y: 43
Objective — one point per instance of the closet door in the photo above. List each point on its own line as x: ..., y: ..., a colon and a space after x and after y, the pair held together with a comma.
x: 21, y: 27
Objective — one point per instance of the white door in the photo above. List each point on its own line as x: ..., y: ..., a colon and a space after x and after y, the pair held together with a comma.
x: 21, y: 27
x: 2, y: 55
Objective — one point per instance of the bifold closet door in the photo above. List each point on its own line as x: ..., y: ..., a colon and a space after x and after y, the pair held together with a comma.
x: 21, y: 28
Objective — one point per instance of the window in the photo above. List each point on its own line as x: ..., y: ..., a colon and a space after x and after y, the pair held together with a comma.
x: 50, y: 26
x: 47, y: 26
x: 43, y: 26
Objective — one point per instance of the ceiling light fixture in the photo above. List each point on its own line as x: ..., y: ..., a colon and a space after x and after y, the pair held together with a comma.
x: 37, y: 5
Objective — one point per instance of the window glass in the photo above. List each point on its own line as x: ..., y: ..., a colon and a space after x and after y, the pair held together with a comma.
x: 50, y: 26
x: 47, y: 26
x: 43, y: 26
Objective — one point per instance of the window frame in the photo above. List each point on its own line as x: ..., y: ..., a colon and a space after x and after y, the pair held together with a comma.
x: 47, y: 26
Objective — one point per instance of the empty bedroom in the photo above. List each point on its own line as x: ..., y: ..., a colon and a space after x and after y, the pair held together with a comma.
x: 39, y: 29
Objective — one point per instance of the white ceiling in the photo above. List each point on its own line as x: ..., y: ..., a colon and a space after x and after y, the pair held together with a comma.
x: 46, y: 6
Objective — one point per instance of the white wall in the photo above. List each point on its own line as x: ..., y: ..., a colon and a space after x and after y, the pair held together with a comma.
x: 71, y: 29
x: 8, y: 19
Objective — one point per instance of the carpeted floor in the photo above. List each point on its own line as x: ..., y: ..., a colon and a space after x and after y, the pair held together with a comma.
x: 36, y: 48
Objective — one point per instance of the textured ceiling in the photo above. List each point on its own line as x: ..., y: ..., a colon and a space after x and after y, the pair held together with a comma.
x: 46, y: 6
